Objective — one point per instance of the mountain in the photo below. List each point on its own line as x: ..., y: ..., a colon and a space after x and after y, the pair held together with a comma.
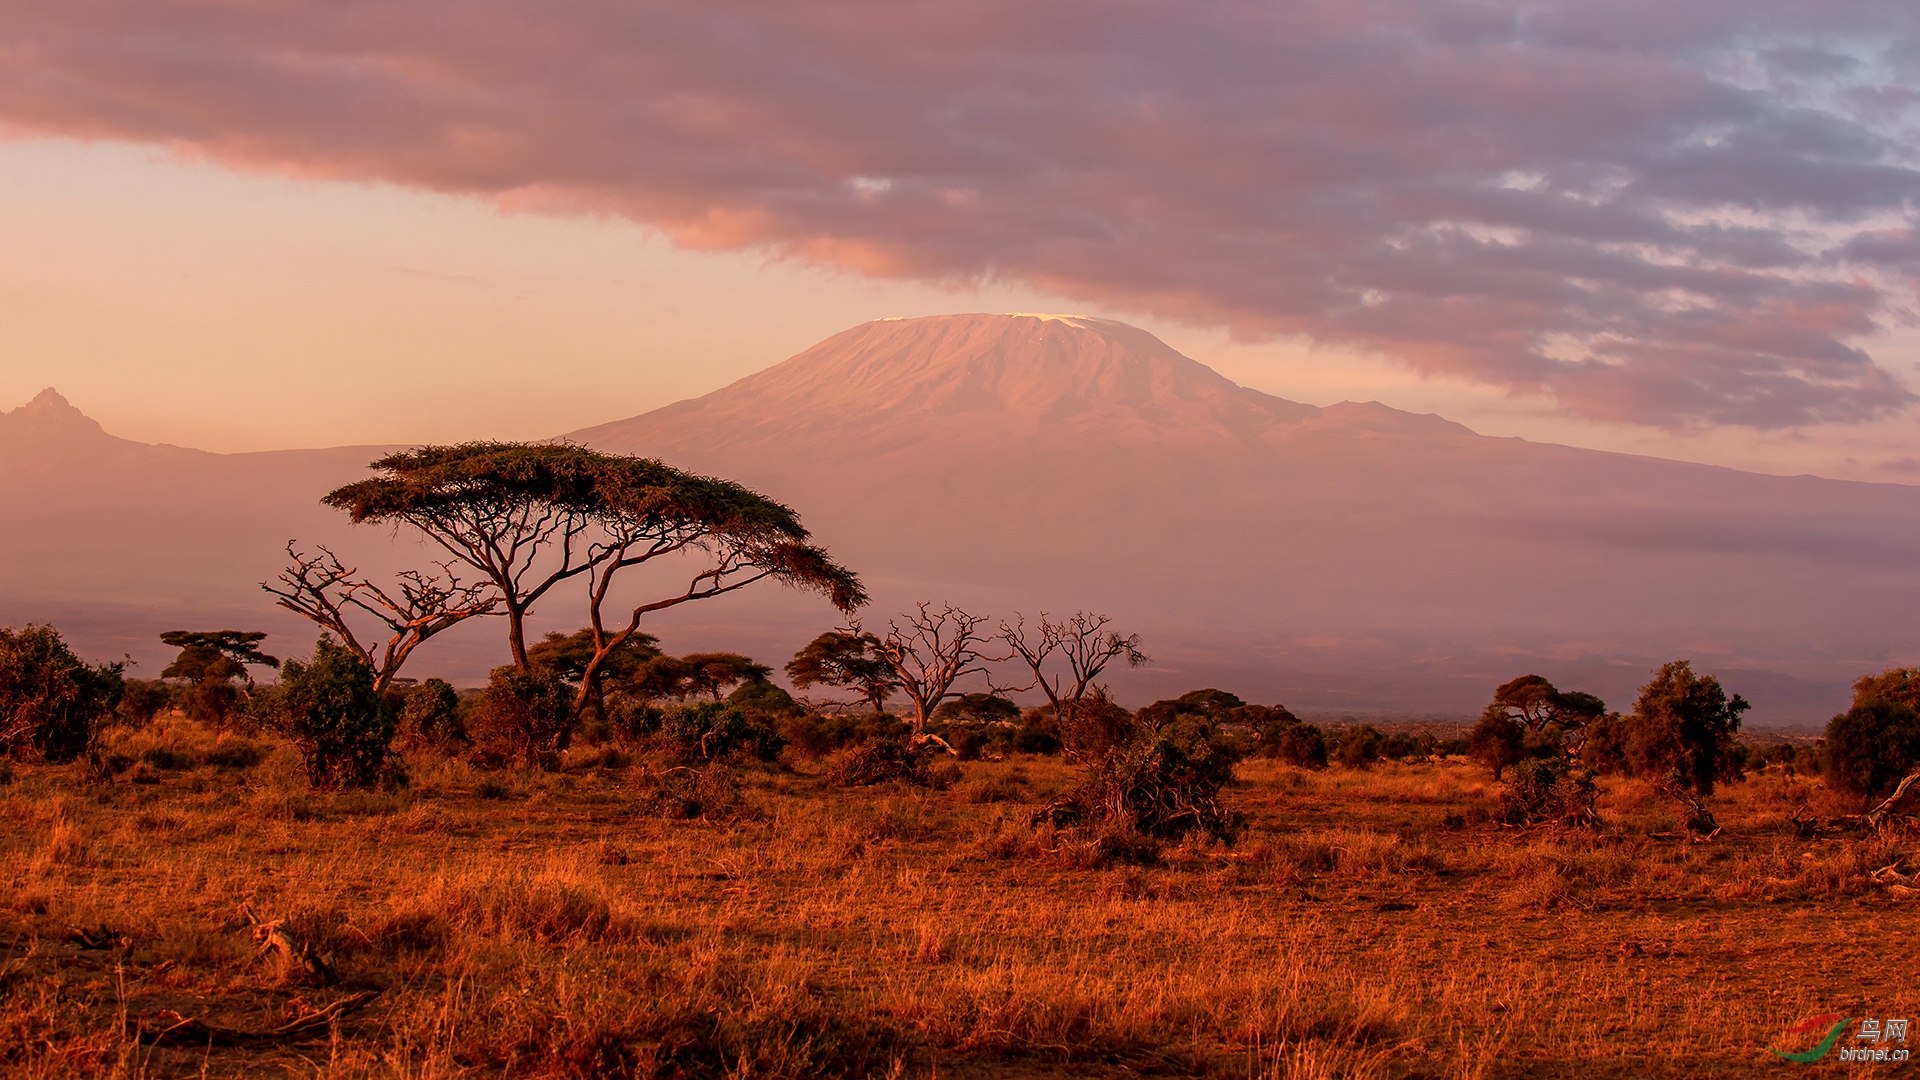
x: 1347, y: 559
x: 1353, y: 557
x: 115, y: 541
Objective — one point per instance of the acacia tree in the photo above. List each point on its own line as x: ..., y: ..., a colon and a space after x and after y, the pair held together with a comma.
x: 208, y: 662
x: 719, y: 535
x: 845, y: 658
x: 517, y: 513
x: 1538, y: 707
x: 714, y: 672
x: 1065, y: 659
x: 527, y: 517
x: 928, y: 651
x: 322, y: 590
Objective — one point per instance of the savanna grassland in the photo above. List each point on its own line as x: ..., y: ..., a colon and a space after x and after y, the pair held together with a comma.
x: 1368, y: 923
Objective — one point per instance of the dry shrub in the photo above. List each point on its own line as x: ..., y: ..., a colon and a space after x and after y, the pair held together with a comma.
x: 1576, y: 870
x: 521, y: 718
x: 1547, y: 791
x: 878, y: 761
x: 684, y: 793
x: 1160, y: 785
x: 1006, y: 787
x: 1356, y: 851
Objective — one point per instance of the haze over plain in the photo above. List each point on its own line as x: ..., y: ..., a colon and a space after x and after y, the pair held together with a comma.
x: 1349, y: 558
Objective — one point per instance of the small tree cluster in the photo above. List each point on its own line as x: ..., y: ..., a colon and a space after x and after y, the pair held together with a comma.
x: 1530, y: 718
x: 211, y: 671
x: 1681, y: 734
x: 50, y: 701
x: 1875, y: 744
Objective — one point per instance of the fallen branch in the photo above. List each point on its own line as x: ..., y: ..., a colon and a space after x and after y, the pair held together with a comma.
x: 168, y: 1026
x: 1890, y: 875
x: 100, y: 937
x: 1878, y: 817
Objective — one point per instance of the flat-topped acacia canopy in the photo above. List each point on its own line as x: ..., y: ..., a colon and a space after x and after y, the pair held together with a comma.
x: 531, y: 515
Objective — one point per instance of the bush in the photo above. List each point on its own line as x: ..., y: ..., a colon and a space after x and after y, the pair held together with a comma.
x: 522, y: 716
x: 1357, y: 747
x: 1605, y: 748
x: 716, y: 731
x: 215, y: 703
x: 1035, y: 739
x: 972, y: 742
x: 1094, y: 726
x: 878, y: 761
x: 1161, y: 784
x: 328, y: 708
x: 1400, y: 746
x: 1682, y: 731
x: 819, y: 733
x: 430, y: 715
x: 684, y: 793
x: 1496, y: 740
x: 1303, y: 746
x: 1870, y: 747
x: 50, y: 702
x: 141, y: 700
x: 1547, y: 789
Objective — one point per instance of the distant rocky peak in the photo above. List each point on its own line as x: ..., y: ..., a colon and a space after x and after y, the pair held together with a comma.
x: 49, y: 417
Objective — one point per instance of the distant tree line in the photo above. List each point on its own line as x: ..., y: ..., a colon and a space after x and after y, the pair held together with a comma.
x: 516, y: 521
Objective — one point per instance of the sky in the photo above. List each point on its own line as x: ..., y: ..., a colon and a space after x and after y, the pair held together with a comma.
x: 1686, y: 230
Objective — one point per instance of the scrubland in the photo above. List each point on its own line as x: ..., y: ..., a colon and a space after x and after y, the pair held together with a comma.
x: 1368, y: 923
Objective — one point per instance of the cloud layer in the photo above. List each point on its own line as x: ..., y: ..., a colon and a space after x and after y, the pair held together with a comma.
x: 1671, y: 214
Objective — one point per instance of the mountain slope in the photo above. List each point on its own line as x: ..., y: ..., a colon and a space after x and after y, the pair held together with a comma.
x: 1347, y: 558
x: 115, y: 541
x: 1320, y: 554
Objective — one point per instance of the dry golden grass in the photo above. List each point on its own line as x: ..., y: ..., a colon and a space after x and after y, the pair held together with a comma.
x: 1369, y: 924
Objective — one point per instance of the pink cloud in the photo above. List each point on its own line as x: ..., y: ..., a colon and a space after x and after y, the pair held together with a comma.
x: 1667, y: 214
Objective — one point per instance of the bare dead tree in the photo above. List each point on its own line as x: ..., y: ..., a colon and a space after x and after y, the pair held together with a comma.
x: 931, y: 650
x: 320, y: 588
x: 1067, y: 657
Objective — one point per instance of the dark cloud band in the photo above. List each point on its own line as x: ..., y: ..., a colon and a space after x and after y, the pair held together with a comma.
x: 1674, y: 214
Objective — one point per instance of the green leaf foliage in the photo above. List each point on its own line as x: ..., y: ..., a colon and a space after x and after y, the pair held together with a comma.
x: 1870, y: 747
x: 328, y: 708
x: 1682, y: 729
x: 523, y: 717
x: 430, y: 715
x: 50, y: 701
